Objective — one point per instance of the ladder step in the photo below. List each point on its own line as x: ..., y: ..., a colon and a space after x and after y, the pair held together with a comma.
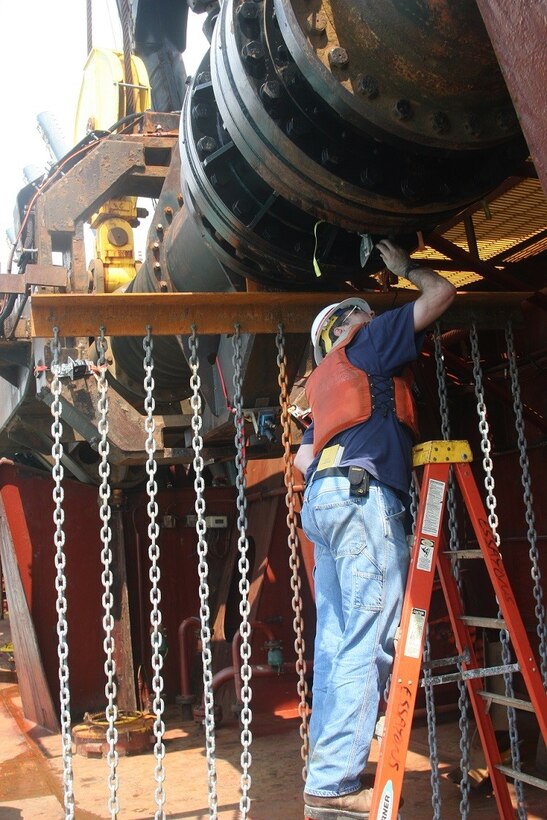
x: 488, y: 623
x: 464, y: 554
x: 469, y: 674
x: 525, y: 778
x: 517, y: 703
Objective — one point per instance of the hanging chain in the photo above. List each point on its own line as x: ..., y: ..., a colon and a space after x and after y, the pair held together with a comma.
x: 493, y: 521
x: 445, y: 432
x: 154, y: 574
x: 243, y: 566
x: 203, y: 572
x: 463, y: 699
x: 432, y: 731
x: 293, y: 543
x: 107, y: 579
x: 60, y: 580
x: 528, y: 502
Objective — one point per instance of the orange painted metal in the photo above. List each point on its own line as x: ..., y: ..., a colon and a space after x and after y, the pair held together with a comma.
x: 127, y: 314
x: 406, y: 670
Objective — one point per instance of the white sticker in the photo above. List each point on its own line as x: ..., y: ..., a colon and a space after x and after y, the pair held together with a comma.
x: 416, y: 626
x: 424, y: 560
x: 385, y: 810
x: 433, y: 507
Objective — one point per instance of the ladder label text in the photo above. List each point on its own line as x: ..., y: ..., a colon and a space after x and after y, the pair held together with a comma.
x: 416, y: 626
x: 433, y: 507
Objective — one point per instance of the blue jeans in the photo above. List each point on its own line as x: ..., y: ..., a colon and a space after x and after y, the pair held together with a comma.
x: 361, y: 565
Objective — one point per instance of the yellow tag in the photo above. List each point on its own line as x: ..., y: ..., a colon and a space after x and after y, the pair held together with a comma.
x: 316, y: 267
x: 330, y: 457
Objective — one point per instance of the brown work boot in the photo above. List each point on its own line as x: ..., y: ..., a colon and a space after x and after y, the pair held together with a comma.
x: 355, y: 805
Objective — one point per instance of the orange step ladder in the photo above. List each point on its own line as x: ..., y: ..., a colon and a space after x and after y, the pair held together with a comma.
x: 437, y: 458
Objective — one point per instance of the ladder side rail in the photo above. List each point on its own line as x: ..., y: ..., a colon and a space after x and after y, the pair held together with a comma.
x: 494, y: 563
x: 405, y: 677
x: 485, y: 726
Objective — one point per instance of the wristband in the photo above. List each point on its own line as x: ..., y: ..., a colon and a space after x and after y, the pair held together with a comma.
x: 411, y: 265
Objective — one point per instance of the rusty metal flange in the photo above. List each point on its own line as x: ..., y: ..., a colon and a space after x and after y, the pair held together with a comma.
x: 135, y: 734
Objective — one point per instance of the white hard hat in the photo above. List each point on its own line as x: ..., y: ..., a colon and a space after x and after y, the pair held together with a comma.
x: 326, y: 318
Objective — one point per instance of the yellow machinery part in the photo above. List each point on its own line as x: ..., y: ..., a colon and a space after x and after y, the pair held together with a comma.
x: 102, y: 100
x: 115, y: 248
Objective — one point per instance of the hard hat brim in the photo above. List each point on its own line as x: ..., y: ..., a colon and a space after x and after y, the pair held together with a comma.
x: 352, y: 301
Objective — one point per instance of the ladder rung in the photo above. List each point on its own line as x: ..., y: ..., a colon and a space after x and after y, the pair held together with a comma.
x: 526, y: 778
x: 489, y: 623
x: 469, y: 674
x: 464, y: 554
x: 463, y: 658
x: 503, y: 700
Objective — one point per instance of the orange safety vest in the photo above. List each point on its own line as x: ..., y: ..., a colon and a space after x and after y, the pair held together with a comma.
x: 340, y: 397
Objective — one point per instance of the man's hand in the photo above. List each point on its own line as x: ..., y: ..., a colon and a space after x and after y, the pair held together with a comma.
x: 395, y: 258
x: 436, y: 294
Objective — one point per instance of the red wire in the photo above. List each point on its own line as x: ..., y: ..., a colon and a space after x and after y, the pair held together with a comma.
x: 223, y: 385
x: 40, y: 190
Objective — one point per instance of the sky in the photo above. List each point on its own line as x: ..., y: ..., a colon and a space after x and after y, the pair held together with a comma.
x: 43, y: 49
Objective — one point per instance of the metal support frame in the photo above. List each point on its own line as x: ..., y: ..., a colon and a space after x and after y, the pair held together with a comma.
x: 256, y: 312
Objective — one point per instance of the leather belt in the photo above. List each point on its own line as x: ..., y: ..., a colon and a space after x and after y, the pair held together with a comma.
x: 342, y: 471
x: 359, y: 478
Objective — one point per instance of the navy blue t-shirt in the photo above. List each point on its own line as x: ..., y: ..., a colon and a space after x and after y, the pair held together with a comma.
x: 381, y: 445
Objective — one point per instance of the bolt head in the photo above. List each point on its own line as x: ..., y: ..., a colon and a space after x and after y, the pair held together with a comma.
x: 440, y: 122
x: 473, y: 126
x: 201, y: 110
x: 338, y: 57
x: 248, y: 10
x: 242, y: 207
x: 370, y: 176
x: 317, y: 22
x: 329, y: 156
x: 367, y: 86
x: 505, y: 119
x: 291, y: 75
x: 252, y: 52
x: 403, y: 110
x: 270, y: 90
x: 206, y: 145
x: 296, y: 127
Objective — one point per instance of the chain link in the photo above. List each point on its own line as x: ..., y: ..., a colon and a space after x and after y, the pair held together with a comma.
x: 243, y: 567
x: 107, y: 579
x: 294, y: 545
x: 528, y: 499
x: 436, y: 802
x: 60, y: 579
x: 493, y: 522
x: 463, y: 699
x: 203, y: 573
x: 158, y: 705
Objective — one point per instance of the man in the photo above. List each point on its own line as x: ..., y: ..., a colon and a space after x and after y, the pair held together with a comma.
x: 357, y: 459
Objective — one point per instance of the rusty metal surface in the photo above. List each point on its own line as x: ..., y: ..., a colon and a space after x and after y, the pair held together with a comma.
x: 91, y: 182
x: 257, y: 312
x: 51, y: 276
x: 134, y: 728
x: 297, y: 126
x: 423, y: 72
x: 517, y: 29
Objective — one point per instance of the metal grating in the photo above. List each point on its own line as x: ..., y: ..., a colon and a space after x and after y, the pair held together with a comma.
x: 515, y: 216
